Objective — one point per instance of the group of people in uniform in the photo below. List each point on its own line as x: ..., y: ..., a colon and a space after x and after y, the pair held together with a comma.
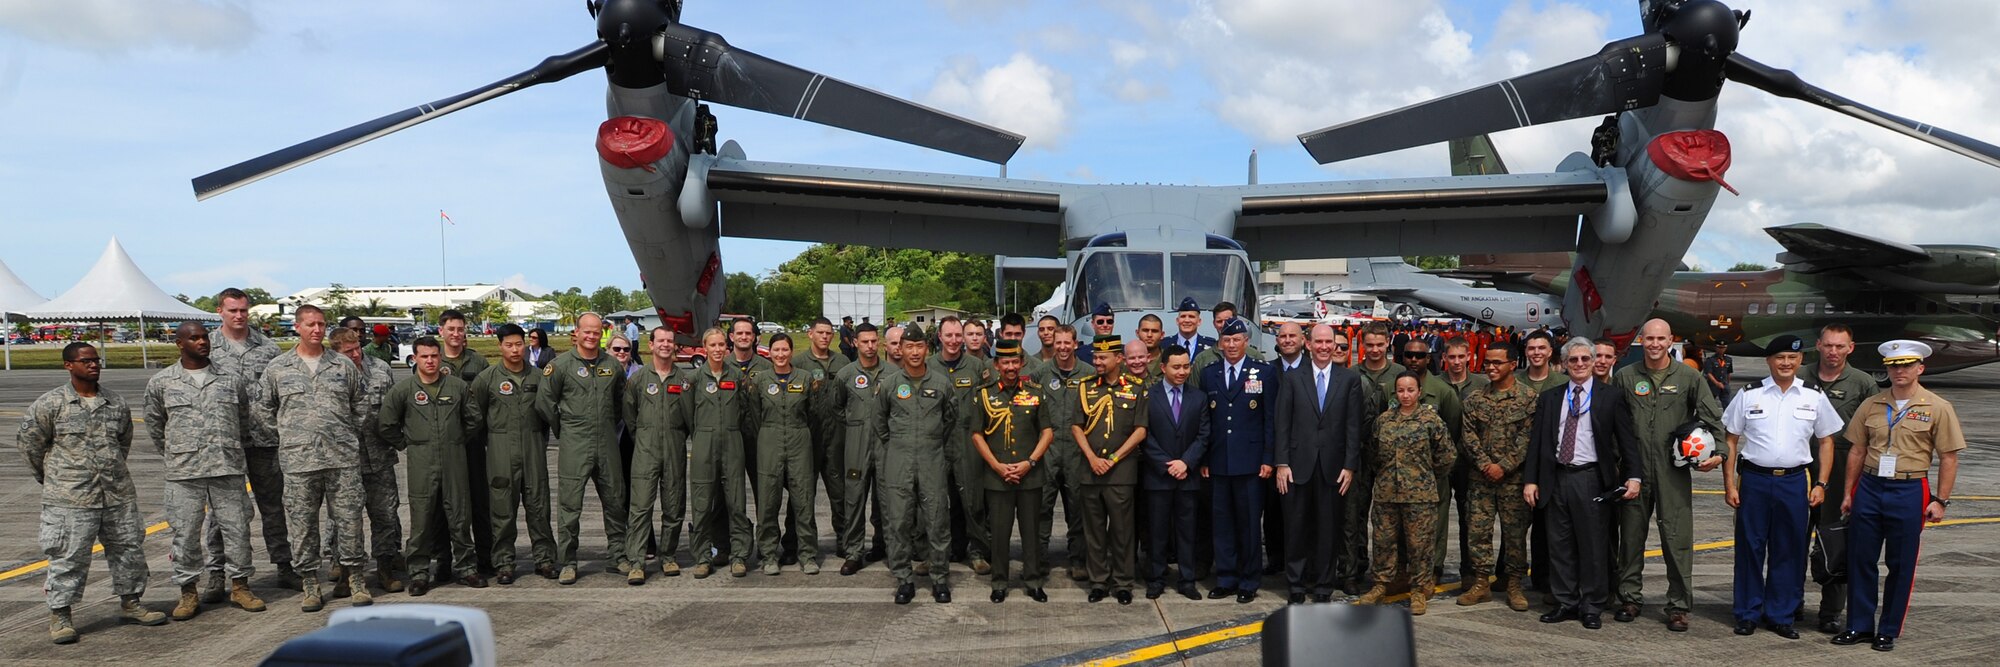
x: 1175, y: 457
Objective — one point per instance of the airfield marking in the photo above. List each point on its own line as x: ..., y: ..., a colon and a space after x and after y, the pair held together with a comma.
x: 1253, y: 628
x: 1953, y: 497
x: 37, y: 566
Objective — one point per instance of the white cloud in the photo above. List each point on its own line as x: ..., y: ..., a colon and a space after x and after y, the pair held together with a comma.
x: 241, y: 273
x: 1023, y: 95
x: 119, y: 26
x: 1082, y: 173
x: 1134, y: 91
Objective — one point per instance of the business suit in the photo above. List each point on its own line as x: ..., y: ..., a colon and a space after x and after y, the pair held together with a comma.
x: 1579, y: 546
x: 1317, y: 439
x: 1170, y: 503
x: 1240, y: 444
x: 539, y: 357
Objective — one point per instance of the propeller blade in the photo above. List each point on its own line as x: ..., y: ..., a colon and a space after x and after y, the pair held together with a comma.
x: 1783, y: 83
x: 701, y: 65
x: 551, y: 69
x: 1626, y: 74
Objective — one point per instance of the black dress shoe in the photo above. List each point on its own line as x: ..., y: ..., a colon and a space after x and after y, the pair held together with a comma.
x: 1154, y: 591
x: 941, y: 594
x: 505, y: 578
x: 1245, y: 597
x: 1884, y: 644
x: 849, y: 567
x: 547, y: 571
x: 905, y: 593
x: 418, y: 587
x: 1784, y: 630
x: 1188, y: 591
x: 1830, y: 627
x: 1295, y: 598
x: 1559, y: 614
x: 876, y: 555
x: 1592, y: 621
x: 1850, y: 638
x: 1745, y: 628
x: 1123, y: 597
x: 472, y: 581
x: 1098, y: 594
x: 1038, y: 595
x: 1352, y: 586
x: 999, y: 596
x: 788, y: 558
x: 1220, y: 593
x: 1322, y: 598
x: 1626, y: 613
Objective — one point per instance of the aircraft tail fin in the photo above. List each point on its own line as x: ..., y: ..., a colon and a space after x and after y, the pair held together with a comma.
x: 1379, y: 272
x: 1519, y: 261
x: 1476, y: 156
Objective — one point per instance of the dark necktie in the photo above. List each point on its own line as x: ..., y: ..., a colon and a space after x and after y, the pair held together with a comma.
x: 1174, y: 400
x: 1567, y: 454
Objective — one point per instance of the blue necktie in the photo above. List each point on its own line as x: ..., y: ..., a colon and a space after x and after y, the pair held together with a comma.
x: 1174, y: 399
x: 1320, y: 380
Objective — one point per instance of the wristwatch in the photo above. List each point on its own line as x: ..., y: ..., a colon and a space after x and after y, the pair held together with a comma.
x: 1819, y: 485
x: 1944, y: 502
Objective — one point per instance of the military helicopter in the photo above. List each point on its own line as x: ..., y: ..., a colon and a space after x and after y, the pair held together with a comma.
x: 1645, y: 187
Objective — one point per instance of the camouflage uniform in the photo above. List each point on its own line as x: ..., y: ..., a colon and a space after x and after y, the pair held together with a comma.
x: 432, y: 422
x: 384, y: 351
x: 916, y: 417
x: 378, y: 473
x: 968, y: 516
x: 786, y: 411
x: 198, y: 423
x: 653, y: 410
x: 260, y: 450
x: 853, y: 413
x: 580, y: 399
x: 1497, y: 427
x: 1413, y: 456
x: 76, y: 448
x: 318, y: 420
x: 517, y: 462
x: 1379, y: 393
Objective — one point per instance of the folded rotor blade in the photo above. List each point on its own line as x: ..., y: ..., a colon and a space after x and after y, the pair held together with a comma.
x: 1626, y: 74
x: 1784, y: 83
x: 551, y: 69
x: 701, y: 65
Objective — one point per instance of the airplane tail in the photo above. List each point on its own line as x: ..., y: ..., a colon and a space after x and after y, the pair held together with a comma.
x: 1519, y: 261
x: 1475, y: 156
x: 1379, y: 272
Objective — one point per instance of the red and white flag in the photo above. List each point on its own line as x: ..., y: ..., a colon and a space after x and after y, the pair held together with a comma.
x: 446, y: 218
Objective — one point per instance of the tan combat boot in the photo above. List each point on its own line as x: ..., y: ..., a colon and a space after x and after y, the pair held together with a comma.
x: 240, y: 595
x: 338, y: 575
x: 390, y: 571
x: 190, y: 603
x: 61, y: 631
x: 1373, y: 596
x: 1420, y: 599
x: 311, y: 601
x: 357, y: 582
x: 130, y: 611
x: 1481, y: 591
x: 1517, y: 599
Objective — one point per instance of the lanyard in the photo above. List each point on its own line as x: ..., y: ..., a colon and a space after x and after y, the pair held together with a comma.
x: 1569, y: 401
x: 1894, y: 416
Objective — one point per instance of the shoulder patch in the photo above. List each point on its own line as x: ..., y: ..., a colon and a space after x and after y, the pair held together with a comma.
x: 549, y: 370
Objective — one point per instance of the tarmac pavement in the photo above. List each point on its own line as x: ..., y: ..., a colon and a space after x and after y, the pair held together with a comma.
x: 794, y: 619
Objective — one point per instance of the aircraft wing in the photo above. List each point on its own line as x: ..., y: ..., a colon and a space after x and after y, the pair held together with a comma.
x: 878, y: 207
x: 1813, y: 248
x: 1417, y: 216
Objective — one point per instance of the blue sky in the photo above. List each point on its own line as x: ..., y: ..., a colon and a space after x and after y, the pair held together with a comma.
x: 109, y: 107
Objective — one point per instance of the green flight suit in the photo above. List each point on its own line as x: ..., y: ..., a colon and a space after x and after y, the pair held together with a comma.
x: 713, y: 407
x: 1661, y: 401
x: 853, y: 408
x: 1109, y: 412
x: 720, y: 513
x: 517, y: 462
x: 655, y: 411
x: 467, y: 366
x: 431, y: 422
x: 828, y: 455
x: 1064, y: 461
x: 968, y: 518
x: 580, y: 397
x: 1012, y: 420
x: 916, y: 415
x: 785, y: 409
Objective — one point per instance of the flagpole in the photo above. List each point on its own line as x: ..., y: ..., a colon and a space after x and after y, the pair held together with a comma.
x: 441, y: 252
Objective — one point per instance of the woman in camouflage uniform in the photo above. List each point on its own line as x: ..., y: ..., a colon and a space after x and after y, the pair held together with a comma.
x: 1413, y: 453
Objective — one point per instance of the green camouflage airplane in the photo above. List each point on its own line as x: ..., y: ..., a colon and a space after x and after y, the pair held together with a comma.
x: 1946, y: 295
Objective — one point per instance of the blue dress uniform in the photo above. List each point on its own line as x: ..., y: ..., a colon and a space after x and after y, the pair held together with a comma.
x: 1194, y: 345
x: 1240, y: 445
x: 1891, y: 493
x: 1774, y: 431
x: 1083, y: 355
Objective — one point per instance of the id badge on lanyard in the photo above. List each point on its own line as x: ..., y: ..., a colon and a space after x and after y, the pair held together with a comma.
x: 1886, y: 466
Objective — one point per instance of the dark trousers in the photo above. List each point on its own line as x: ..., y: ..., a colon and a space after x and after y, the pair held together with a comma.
x: 1237, y: 500
x: 1770, y: 546
x: 1170, y: 530
x: 1274, y: 522
x: 1579, y: 545
x: 1313, y: 520
x: 1006, y: 511
x: 1833, y: 593
x: 1887, y: 522
x: 1539, y: 571
x: 1107, y: 535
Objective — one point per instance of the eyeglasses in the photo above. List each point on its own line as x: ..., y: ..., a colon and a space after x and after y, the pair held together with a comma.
x: 1578, y: 360
x: 620, y: 348
x: 1495, y: 362
x: 93, y: 361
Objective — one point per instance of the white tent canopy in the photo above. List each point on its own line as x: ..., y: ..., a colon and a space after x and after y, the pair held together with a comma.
x: 116, y: 290
x: 15, y: 296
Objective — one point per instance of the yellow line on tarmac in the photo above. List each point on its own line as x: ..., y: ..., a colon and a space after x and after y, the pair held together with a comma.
x: 1169, y: 647
x: 39, y: 565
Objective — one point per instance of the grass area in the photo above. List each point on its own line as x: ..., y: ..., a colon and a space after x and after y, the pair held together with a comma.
x: 128, y: 355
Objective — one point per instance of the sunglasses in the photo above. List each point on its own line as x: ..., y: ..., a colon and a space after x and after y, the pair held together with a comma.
x: 1579, y: 360
x: 620, y: 348
x: 1340, y: 346
x: 1414, y: 353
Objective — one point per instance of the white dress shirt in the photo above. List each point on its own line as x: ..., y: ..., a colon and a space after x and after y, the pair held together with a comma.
x: 1777, y: 428
x: 1586, y: 443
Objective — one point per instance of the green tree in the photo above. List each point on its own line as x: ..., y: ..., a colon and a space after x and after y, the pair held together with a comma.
x: 739, y: 293
x: 492, y: 311
x: 1430, y: 262
x: 1748, y: 266
x: 337, y: 299
x: 569, y: 306
x: 638, y: 299
x: 607, y: 299
x: 258, y: 296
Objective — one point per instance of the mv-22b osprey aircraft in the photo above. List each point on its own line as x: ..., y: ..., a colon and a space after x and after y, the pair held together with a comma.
x: 1645, y: 187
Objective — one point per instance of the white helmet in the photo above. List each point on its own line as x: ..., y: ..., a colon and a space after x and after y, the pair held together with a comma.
x: 1694, y: 447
